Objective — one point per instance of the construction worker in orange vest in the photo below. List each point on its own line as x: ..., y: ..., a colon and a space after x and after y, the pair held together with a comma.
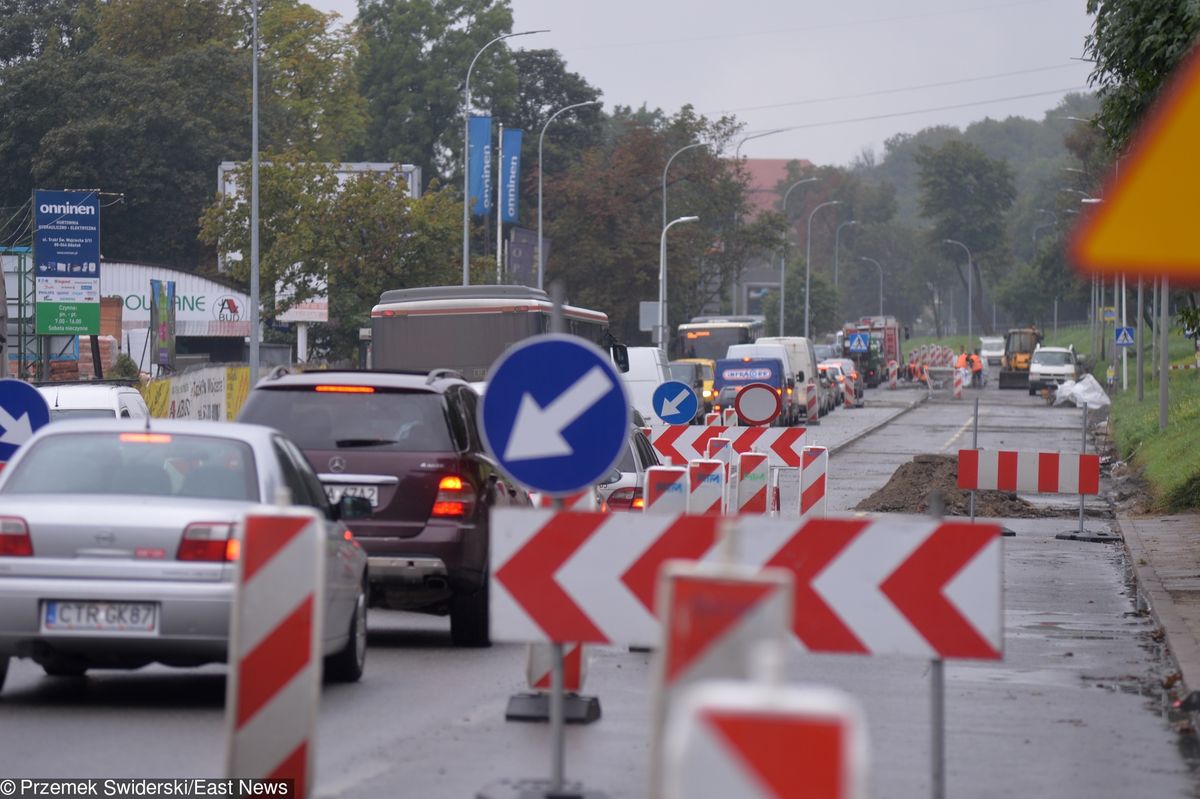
x: 976, y: 369
x: 961, y: 363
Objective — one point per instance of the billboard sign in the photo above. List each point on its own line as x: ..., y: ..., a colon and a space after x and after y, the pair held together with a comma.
x: 162, y: 322
x: 66, y: 251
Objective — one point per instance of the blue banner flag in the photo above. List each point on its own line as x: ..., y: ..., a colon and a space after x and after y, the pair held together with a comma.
x: 510, y: 175
x: 479, y: 154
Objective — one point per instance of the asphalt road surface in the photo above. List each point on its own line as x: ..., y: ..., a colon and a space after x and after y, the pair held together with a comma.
x: 1075, y: 709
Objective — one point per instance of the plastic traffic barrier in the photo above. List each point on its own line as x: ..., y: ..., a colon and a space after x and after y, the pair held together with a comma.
x: 958, y: 383
x: 849, y: 398
x: 812, y: 482
x: 666, y: 489
x: 813, y: 404
x: 275, y: 652
x: 1032, y: 472
x: 706, y: 486
x: 754, y: 483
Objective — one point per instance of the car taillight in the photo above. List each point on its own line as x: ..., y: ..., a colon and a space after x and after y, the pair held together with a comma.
x: 14, y: 538
x: 212, y: 542
x: 626, y: 499
x: 454, y: 499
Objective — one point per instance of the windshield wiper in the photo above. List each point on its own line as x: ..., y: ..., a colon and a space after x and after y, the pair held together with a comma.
x: 362, y: 442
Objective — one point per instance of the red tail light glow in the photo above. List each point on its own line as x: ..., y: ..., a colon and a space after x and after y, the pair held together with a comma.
x: 454, y: 500
x: 210, y: 542
x: 626, y: 499
x: 344, y: 389
x: 14, y: 538
x: 146, y: 438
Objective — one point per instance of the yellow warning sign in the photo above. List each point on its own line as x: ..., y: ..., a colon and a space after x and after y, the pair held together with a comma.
x: 1148, y: 218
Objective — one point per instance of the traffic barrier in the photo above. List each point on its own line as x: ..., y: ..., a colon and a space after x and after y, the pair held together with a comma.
x: 712, y: 616
x: 902, y: 585
x: 753, y: 483
x: 275, y: 652
x: 785, y: 492
x: 893, y: 375
x: 712, y: 418
x: 666, y: 489
x: 684, y: 443
x: 729, y: 417
x: 764, y: 741
x: 584, y: 500
x: 812, y: 482
x: 813, y: 404
x: 539, y: 667
x: 706, y: 486
x: 849, y: 398
x: 958, y: 384
x: 1032, y: 472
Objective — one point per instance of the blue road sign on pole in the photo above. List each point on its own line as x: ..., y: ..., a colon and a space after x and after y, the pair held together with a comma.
x: 1125, y: 337
x: 555, y: 414
x: 675, y: 402
x: 859, y: 342
x: 23, y: 409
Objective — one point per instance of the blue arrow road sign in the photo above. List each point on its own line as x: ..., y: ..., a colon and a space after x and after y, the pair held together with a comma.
x: 675, y: 402
x: 1125, y: 337
x: 555, y: 415
x: 23, y: 409
x: 859, y: 342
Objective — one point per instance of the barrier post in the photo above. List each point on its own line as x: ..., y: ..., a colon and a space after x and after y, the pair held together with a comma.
x: 1082, y: 451
x: 958, y: 384
x: 753, y: 485
x: 812, y: 400
x: 974, y: 445
x: 814, y: 469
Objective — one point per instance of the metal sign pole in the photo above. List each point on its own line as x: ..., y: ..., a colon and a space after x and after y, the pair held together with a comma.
x: 938, y: 684
x: 974, y: 445
x: 558, y: 730
x: 1083, y: 451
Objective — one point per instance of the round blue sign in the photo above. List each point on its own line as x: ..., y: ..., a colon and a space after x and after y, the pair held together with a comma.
x: 23, y: 409
x: 675, y: 402
x: 555, y: 414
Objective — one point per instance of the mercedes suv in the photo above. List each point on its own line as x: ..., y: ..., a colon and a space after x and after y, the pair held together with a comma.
x: 410, y: 444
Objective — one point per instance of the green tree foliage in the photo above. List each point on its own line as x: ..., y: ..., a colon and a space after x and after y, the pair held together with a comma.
x: 30, y: 29
x: 415, y: 55
x: 1135, y: 45
x: 823, y: 309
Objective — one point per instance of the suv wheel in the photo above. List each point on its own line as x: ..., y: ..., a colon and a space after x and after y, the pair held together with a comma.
x: 346, y: 665
x: 469, y: 618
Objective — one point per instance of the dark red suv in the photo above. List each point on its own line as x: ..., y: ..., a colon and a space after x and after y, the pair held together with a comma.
x: 410, y: 444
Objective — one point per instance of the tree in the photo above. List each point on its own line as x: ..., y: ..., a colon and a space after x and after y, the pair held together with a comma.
x: 150, y: 30
x: 966, y: 195
x: 32, y: 28
x: 823, y: 308
x: 1135, y: 45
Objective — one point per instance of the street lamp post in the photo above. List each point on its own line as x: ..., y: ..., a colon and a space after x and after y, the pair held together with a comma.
x: 970, y: 280
x: 541, y: 263
x: 837, y: 248
x: 685, y: 148
x: 783, y: 251
x: 808, y: 265
x: 466, y: 240
x: 662, y: 280
x: 254, y: 268
x: 880, y: 267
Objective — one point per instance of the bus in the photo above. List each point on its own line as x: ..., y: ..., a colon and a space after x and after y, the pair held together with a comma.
x: 710, y: 337
x: 466, y: 328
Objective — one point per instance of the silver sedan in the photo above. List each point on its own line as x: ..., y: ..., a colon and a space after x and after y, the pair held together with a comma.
x: 118, y: 544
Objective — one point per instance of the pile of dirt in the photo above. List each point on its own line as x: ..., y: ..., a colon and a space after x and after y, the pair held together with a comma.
x: 914, y: 485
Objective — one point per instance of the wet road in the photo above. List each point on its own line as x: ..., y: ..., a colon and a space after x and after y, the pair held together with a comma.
x: 1073, y: 710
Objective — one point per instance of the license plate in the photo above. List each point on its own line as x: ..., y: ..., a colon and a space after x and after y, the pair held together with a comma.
x: 336, y: 492
x: 140, y: 617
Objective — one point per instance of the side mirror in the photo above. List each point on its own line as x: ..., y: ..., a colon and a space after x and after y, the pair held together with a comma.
x: 800, y: 377
x: 613, y: 477
x: 620, y: 357
x: 351, y: 508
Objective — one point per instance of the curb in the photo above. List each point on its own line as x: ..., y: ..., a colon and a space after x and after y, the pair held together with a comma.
x: 866, y: 431
x: 1182, y: 647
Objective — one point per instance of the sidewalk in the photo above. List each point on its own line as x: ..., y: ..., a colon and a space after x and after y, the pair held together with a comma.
x: 1165, y: 554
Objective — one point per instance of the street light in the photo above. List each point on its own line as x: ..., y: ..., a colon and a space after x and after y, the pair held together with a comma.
x: 970, y: 279
x: 253, y: 355
x: 837, y: 247
x: 662, y: 280
x: 664, y: 177
x: 541, y: 137
x: 872, y: 260
x: 466, y: 248
x: 783, y: 252
x: 808, y: 264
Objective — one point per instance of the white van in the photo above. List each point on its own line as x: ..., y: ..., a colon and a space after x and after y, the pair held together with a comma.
x: 647, y: 371
x: 803, y: 359
x: 93, y: 398
x: 793, y: 399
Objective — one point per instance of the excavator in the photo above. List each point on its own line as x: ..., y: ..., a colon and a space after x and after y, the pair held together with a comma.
x: 1019, y: 344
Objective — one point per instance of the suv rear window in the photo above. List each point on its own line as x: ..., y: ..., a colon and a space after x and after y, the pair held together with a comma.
x: 382, y: 420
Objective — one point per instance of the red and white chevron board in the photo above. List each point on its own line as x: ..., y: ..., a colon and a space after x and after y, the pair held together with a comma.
x: 666, y: 489
x: 1032, y: 472
x: 812, y: 404
x: 539, y: 667
x: 913, y: 586
x: 706, y: 486
x: 813, y: 476
x: 754, y: 483
x: 727, y: 739
x: 683, y: 443
x: 275, y: 647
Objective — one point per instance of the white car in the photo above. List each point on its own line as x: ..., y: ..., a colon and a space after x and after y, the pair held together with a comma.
x: 1052, y: 366
x: 93, y: 399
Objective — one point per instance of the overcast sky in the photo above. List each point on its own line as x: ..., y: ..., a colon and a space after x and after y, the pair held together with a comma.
x: 824, y: 68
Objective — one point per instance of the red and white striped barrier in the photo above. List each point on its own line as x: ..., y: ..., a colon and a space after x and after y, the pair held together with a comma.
x: 1032, y: 472
x: 849, y: 398
x: 539, y: 667
x: 719, y: 449
x: 729, y: 417
x: 753, y: 485
x: 754, y: 741
x: 893, y: 374
x: 712, y: 418
x: 812, y: 404
x: 684, y: 443
x: 706, y: 487
x: 275, y: 651
x: 958, y: 383
x: 666, y: 489
x: 812, y: 482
